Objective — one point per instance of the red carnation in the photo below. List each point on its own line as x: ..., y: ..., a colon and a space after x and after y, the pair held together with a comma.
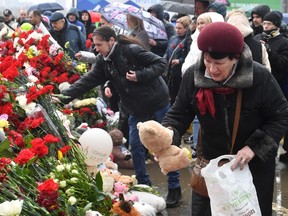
x: 65, y: 149
x: 24, y: 156
x: 49, y: 138
x: 39, y: 149
x: 16, y: 138
x: 48, y: 186
x: 4, y: 162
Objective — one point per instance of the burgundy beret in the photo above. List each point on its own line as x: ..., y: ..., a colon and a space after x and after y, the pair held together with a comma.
x: 220, y: 37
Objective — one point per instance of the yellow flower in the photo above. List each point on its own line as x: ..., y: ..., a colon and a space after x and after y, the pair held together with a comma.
x: 60, y: 155
x: 4, y: 123
x: 67, y: 45
x: 81, y: 68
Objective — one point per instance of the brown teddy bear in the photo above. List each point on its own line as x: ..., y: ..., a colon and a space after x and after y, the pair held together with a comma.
x: 158, y: 139
x: 122, y: 158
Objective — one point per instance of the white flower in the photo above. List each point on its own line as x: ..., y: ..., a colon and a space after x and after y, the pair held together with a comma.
x: 70, y: 191
x: 75, y: 172
x: 93, y: 213
x: 12, y: 208
x: 30, y: 108
x: 67, y: 166
x: 52, y: 175
x: 32, y: 79
x: 63, y: 184
x: 85, y: 102
x: 72, y: 200
x: 35, y: 35
x: 60, y: 168
x: 74, y: 180
x: 22, y: 100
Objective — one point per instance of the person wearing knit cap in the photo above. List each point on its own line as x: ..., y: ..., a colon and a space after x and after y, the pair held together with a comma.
x: 218, y: 7
x: 210, y: 88
x: 238, y: 18
x: 257, y: 15
x: 277, y: 48
x: 67, y: 35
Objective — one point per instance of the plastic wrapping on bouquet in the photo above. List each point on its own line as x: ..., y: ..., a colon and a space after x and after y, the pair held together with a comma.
x: 38, y: 112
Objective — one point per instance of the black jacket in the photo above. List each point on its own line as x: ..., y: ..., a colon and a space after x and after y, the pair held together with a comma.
x: 140, y: 98
x: 277, y: 48
x: 263, y: 119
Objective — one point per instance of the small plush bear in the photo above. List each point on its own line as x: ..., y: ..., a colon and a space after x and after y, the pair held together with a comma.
x: 158, y: 139
x: 121, y: 155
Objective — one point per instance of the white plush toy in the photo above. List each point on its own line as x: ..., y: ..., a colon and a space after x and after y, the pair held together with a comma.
x: 157, y: 202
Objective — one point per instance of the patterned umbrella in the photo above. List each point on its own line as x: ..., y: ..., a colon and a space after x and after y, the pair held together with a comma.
x: 116, y: 14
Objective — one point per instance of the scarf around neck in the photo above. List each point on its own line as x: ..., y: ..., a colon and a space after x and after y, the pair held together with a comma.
x: 205, y: 98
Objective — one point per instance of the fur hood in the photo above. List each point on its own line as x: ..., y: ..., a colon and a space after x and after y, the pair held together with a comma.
x: 241, y: 22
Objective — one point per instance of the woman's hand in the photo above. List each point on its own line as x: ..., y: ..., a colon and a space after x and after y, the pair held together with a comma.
x: 175, y: 62
x: 152, y: 42
x: 78, y: 55
x: 108, y: 92
x: 243, y: 157
x: 131, y: 76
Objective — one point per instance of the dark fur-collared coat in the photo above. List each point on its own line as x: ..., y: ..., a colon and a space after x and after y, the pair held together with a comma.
x: 263, y: 119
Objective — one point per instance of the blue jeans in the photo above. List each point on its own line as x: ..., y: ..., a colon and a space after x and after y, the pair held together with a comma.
x: 138, y: 152
x: 195, y: 132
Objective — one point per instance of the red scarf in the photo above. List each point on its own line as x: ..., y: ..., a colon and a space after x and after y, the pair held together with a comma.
x: 205, y: 98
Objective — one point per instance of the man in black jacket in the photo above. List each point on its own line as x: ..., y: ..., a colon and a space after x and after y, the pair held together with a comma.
x: 277, y: 48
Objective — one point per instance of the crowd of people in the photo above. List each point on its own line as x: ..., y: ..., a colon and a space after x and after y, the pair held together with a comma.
x: 192, y: 77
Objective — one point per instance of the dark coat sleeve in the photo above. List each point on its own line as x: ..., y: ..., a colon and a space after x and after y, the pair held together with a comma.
x: 151, y: 65
x: 89, y: 81
x: 274, y: 111
x: 181, y: 114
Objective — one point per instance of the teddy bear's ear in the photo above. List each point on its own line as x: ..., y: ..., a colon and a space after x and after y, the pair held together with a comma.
x: 139, y: 125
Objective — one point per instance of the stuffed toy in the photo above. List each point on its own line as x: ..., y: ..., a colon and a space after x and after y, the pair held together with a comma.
x: 124, y: 208
x: 147, y: 195
x: 158, y: 139
x: 122, y: 158
x: 121, y: 188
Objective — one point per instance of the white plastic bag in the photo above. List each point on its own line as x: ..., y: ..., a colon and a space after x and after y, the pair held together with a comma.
x: 231, y: 192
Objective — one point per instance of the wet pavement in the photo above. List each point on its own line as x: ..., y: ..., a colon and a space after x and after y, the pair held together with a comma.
x: 280, y: 201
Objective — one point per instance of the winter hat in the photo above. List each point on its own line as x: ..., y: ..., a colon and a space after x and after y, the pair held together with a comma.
x: 220, y: 37
x: 7, y: 12
x: 56, y: 16
x: 218, y: 7
x: 274, y: 18
x: 260, y: 10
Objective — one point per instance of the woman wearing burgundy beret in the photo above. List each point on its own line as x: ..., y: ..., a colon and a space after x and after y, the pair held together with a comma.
x: 209, y: 90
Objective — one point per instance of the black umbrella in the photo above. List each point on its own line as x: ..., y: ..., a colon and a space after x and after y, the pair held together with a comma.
x: 179, y: 6
x: 42, y: 7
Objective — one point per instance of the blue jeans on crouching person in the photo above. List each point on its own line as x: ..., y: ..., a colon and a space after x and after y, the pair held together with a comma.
x: 138, y: 152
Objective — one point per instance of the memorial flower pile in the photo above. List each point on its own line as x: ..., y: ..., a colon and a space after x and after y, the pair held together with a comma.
x: 42, y: 169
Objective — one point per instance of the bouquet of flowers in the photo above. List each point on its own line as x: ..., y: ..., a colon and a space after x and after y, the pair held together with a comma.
x: 42, y: 169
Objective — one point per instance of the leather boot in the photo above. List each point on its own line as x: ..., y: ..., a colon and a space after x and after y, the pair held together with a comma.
x: 173, y: 198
